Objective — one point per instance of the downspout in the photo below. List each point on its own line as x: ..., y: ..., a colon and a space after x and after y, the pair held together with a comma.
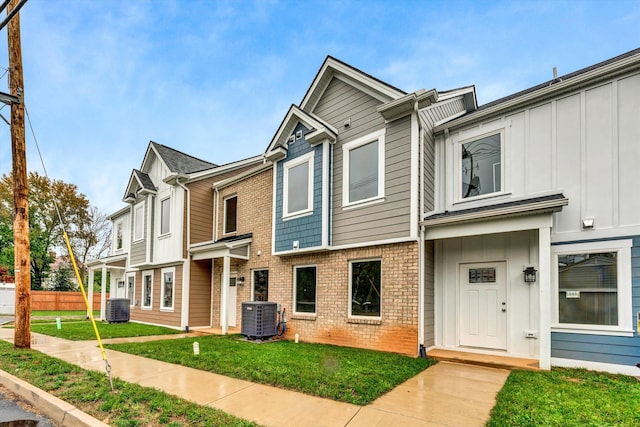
x: 421, y: 233
x: 186, y: 274
x: 214, y: 236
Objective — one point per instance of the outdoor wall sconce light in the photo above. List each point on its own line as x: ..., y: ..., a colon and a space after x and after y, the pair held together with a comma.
x: 240, y: 280
x: 530, y: 274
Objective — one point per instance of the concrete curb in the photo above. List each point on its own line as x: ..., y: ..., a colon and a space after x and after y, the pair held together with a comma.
x: 59, y: 411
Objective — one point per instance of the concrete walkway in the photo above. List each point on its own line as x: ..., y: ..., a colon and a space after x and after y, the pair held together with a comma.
x: 447, y: 394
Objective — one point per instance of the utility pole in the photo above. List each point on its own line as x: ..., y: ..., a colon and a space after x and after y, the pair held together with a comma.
x: 22, y: 264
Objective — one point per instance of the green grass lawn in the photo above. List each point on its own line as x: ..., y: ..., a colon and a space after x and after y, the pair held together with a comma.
x: 345, y: 374
x: 567, y: 397
x: 129, y: 405
x: 62, y: 313
x: 83, y: 330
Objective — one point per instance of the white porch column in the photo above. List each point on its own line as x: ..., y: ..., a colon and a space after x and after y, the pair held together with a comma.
x: 90, y: 290
x: 224, y: 295
x: 103, y: 295
x: 544, y: 281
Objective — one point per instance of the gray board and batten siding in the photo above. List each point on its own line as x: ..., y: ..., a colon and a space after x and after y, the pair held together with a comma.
x: 389, y: 219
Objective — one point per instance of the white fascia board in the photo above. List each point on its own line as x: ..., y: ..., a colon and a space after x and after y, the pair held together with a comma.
x: 118, y: 213
x: 358, y: 79
x: 490, y: 226
x: 244, y: 175
x: 538, y: 207
x: 405, y: 105
x: 555, y: 89
x: 296, y: 114
x: 225, y: 168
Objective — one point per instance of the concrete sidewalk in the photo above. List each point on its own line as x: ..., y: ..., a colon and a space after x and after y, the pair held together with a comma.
x: 448, y: 394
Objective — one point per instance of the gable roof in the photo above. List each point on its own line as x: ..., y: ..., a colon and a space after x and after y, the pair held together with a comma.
x: 144, y: 184
x: 333, y: 67
x: 318, y: 129
x: 602, y: 70
x: 177, y: 161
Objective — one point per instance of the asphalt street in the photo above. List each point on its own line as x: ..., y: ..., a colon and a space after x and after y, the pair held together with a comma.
x: 19, y: 415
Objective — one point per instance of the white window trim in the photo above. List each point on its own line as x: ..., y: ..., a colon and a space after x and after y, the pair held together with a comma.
x: 458, y: 154
x: 119, y: 225
x: 285, y: 185
x: 136, y: 220
x: 253, y: 282
x: 224, y: 214
x: 346, y: 148
x: 171, y: 270
x: 352, y: 316
x: 142, y: 295
x: 168, y: 232
x: 625, y: 321
x: 132, y: 302
x: 295, y: 287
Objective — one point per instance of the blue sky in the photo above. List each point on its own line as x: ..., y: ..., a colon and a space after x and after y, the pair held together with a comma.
x: 215, y: 78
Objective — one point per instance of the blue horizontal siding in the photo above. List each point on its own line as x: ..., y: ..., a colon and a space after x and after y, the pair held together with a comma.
x: 605, y: 348
x: 307, y: 230
x: 596, y: 348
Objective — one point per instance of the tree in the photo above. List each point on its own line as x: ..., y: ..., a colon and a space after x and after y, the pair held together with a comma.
x: 86, y: 226
x: 62, y: 279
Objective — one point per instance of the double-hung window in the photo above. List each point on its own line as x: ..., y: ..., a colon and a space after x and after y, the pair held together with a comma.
x: 298, y: 186
x: 363, y: 169
x: 594, y: 285
x: 147, y: 289
x: 138, y: 222
x: 230, y: 214
x: 165, y: 216
x: 167, y: 289
x: 305, y: 289
x: 119, y: 236
x: 365, y: 288
x: 481, y: 165
x: 131, y: 288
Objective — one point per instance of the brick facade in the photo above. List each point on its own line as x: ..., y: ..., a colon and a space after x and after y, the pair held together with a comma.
x: 396, y: 330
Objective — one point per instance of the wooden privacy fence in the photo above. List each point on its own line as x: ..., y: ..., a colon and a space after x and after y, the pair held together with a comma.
x: 52, y: 300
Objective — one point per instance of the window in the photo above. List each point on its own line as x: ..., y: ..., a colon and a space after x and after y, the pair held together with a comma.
x: 230, y: 214
x: 298, y: 186
x: 147, y: 289
x: 594, y: 285
x: 481, y: 166
x: 363, y: 169
x: 131, y: 289
x: 119, y: 236
x: 138, y: 222
x: 365, y: 287
x: 168, y: 288
x: 261, y: 285
x: 305, y: 289
x: 165, y: 216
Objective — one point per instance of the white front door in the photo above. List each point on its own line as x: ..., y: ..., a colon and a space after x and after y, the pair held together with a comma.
x: 231, y: 302
x: 483, y: 305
